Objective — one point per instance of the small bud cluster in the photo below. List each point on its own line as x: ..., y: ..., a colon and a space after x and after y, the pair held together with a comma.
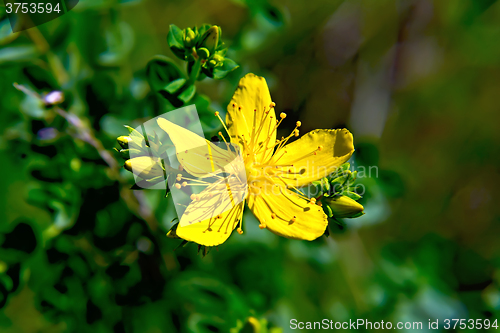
x: 201, y: 44
x: 142, y: 157
x: 338, y: 194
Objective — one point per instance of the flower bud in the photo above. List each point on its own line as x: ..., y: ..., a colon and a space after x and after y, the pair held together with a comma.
x: 189, y: 37
x: 203, y: 53
x: 210, y: 39
x: 344, y: 207
x: 123, y: 141
x: 144, y: 166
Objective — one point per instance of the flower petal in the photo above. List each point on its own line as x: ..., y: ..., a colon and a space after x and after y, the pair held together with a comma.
x: 198, y: 156
x: 210, y: 219
x: 314, y: 156
x: 285, y: 213
x: 249, y: 113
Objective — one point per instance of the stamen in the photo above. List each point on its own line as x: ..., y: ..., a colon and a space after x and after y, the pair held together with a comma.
x: 282, y: 115
x: 178, y: 186
x: 298, y: 123
x: 240, y: 231
x: 262, y: 226
x: 223, y: 123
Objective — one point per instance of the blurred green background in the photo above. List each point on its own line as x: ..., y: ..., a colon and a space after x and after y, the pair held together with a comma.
x: 416, y: 81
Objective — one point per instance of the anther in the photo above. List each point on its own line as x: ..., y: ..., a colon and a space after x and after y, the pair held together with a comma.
x: 179, y: 175
x: 272, y: 105
x: 220, y: 133
x: 294, y: 218
x: 313, y: 201
x: 193, y: 196
x: 178, y: 179
x: 320, y: 148
x: 178, y: 186
x: 262, y: 226
x: 240, y: 231
x: 298, y: 123
x: 282, y: 115
x: 273, y: 216
x: 239, y: 108
x: 296, y: 132
x: 216, y: 113
x: 184, y: 184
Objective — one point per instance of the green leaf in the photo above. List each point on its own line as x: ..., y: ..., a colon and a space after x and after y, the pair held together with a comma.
x: 175, y: 85
x: 187, y: 94
x: 175, y: 37
x: 228, y: 66
x: 120, y: 41
x: 352, y: 195
x: 161, y: 71
x: 18, y: 53
x: 175, y: 40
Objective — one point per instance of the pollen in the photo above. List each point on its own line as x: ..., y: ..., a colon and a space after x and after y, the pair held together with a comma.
x: 262, y: 226
x: 282, y: 115
x: 298, y: 123
x: 240, y: 231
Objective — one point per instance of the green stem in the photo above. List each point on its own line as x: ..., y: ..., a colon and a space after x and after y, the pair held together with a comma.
x: 195, y: 71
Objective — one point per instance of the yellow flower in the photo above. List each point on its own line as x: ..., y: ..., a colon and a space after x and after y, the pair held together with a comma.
x: 274, y: 171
